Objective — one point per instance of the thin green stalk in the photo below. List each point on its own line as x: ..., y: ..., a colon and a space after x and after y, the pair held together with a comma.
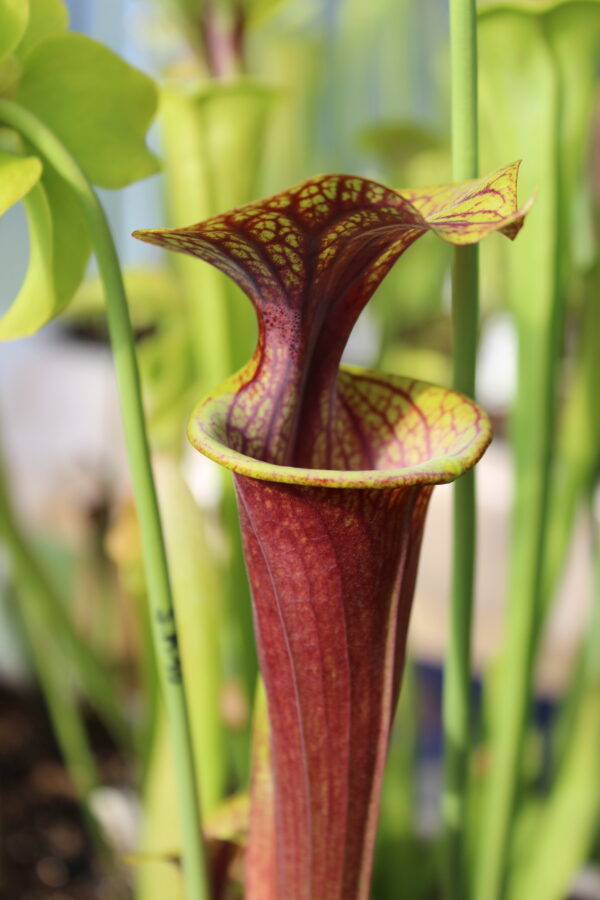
x: 155, y: 560
x: 465, y: 302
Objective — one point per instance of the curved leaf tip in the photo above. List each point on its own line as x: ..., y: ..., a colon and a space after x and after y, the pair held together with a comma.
x: 465, y: 213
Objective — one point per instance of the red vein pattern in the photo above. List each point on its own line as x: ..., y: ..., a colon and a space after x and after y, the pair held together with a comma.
x: 332, y: 572
x: 309, y: 259
x: 333, y: 468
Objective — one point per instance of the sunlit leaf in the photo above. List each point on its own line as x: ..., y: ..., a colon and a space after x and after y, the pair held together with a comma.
x: 13, y: 22
x: 46, y: 18
x: 36, y: 301
x: 96, y: 103
x: 18, y: 175
x: 58, y: 255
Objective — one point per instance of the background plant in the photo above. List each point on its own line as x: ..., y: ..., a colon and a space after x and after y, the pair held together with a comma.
x: 294, y: 92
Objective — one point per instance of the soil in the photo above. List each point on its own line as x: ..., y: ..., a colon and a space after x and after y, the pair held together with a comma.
x: 46, y: 852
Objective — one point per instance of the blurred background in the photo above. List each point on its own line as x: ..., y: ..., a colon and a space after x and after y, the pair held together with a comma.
x: 255, y: 97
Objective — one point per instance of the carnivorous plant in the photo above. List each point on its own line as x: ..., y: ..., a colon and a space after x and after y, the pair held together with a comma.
x: 333, y: 467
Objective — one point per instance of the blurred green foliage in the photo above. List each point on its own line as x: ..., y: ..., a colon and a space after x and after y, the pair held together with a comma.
x: 263, y: 93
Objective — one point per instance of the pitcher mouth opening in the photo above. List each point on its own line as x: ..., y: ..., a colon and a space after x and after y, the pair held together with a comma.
x: 443, y: 435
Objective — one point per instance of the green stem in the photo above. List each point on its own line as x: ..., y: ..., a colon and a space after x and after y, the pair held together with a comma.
x: 463, y: 64
x: 465, y: 301
x: 155, y: 560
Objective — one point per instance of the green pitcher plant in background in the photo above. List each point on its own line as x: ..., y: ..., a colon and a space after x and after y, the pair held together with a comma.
x: 333, y: 467
x: 538, y: 89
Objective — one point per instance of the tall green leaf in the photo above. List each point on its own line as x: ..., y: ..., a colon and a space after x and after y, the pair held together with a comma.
x: 538, y: 64
x: 578, y: 436
x: 197, y: 593
x: 37, y: 300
